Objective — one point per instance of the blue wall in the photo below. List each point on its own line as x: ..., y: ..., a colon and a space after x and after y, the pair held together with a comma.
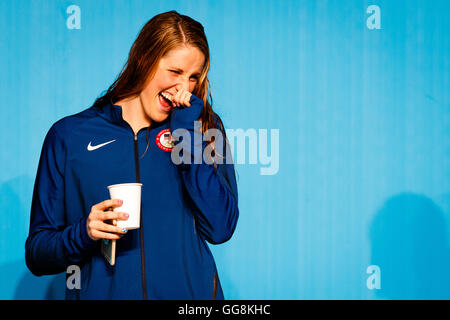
x: 364, y: 126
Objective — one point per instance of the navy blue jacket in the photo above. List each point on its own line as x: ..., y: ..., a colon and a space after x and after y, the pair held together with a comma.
x: 183, y: 206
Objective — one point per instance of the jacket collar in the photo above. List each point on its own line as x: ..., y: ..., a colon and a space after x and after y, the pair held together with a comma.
x: 113, y: 113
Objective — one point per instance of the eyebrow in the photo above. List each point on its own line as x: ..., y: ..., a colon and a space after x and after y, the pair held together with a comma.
x: 197, y: 74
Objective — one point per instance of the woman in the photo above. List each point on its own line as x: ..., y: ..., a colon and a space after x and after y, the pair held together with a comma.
x: 125, y: 137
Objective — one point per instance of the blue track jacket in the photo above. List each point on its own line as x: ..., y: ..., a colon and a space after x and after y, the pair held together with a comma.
x: 183, y: 206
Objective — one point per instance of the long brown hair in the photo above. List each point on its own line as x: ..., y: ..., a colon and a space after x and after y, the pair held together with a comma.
x: 159, y: 35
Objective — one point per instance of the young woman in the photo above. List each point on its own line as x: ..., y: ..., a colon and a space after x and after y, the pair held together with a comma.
x: 125, y: 137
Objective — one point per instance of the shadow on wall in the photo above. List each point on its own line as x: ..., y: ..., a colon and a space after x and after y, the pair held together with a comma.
x: 16, y: 281
x: 26, y: 286
x: 47, y: 287
x: 409, y: 244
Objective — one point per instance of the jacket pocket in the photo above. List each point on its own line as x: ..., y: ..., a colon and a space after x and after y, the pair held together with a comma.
x: 214, y: 287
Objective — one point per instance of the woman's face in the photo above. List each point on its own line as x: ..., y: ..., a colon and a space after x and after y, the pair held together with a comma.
x: 179, y: 69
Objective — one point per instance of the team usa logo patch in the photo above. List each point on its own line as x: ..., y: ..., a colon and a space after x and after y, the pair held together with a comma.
x: 164, y: 140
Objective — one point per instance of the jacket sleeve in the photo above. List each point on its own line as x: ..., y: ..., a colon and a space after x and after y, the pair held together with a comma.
x: 213, y: 191
x: 52, y: 245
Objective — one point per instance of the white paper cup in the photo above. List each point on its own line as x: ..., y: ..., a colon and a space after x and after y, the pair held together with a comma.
x: 130, y: 194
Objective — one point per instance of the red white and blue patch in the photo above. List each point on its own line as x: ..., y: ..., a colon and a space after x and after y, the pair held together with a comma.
x: 164, y: 140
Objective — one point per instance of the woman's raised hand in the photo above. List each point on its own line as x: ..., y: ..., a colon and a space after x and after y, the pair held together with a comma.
x: 96, y: 224
x: 181, y: 98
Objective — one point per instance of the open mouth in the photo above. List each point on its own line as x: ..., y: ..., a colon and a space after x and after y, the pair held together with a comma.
x: 165, y: 99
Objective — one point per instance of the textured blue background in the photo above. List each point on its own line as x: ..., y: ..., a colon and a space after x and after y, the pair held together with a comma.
x: 364, y: 175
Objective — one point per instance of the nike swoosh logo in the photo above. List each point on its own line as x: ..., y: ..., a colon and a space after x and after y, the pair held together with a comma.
x: 92, y: 148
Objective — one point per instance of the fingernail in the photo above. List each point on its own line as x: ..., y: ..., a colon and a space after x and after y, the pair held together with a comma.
x: 124, y: 230
x: 126, y: 215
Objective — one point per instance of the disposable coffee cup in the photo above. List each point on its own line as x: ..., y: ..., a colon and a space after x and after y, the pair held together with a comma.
x: 130, y: 194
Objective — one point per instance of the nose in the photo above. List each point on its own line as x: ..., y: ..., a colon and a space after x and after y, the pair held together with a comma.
x: 183, y: 83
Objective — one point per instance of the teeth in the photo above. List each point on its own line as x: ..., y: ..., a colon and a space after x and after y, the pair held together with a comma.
x: 167, y: 96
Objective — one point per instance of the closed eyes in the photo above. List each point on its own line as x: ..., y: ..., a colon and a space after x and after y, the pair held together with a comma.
x: 179, y: 71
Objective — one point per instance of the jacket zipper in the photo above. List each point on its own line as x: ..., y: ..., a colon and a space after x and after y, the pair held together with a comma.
x: 141, y: 229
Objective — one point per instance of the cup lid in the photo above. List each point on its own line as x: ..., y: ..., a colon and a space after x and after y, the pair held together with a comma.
x: 124, y: 185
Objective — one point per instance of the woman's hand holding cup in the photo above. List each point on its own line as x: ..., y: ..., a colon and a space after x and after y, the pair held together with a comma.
x: 96, y: 224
